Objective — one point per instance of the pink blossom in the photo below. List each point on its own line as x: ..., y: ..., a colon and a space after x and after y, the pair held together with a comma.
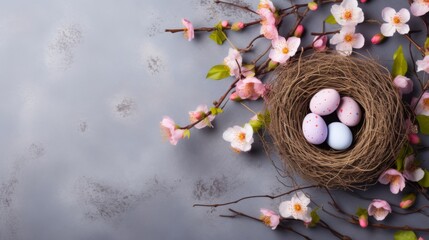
x: 283, y: 50
x: 346, y: 40
x: 189, y: 29
x: 224, y: 23
x: 395, y: 178
x: 395, y: 21
x: 411, y: 171
x: 420, y: 238
x: 422, y: 107
x: 379, y: 209
x: 201, y: 113
x: 419, y: 7
x: 267, y: 4
x: 319, y: 43
x: 250, y: 88
x: 241, y: 138
x: 347, y: 13
x: 423, y: 65
x: 270, y: 218
x: 404, y: 84
x: 233, y: 61
x: 170, y: 130
x: 268, y: 24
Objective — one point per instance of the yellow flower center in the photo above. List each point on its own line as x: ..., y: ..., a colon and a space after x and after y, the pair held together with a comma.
x: 241, y: 136
x: 297, y: 207
x: 285, y: 50
x: 347, y: 15
x: 348, y: 38
x: 263, y: 5
x: 426, y: 101
x: 266, y: 220
x: 396, y: 20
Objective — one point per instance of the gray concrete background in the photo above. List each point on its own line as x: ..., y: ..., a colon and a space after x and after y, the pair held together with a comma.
x: 84, y: 85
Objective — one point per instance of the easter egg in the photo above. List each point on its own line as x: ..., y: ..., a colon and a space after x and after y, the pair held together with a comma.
x: 340, y: 137
x: 349, y: 112
x: 325, y: 102
x: 314, y: 129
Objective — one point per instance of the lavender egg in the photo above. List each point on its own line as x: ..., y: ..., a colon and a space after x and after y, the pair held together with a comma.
x: 314, y: 129
x: 325, y: 102
x: 340, y: 137
x: 349, y: 112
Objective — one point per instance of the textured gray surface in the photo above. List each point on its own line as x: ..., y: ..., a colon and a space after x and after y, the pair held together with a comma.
x: 84, y: 85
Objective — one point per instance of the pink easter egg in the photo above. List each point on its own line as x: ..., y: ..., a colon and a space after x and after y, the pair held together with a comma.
x: 314, y: 129
x: 325, y: 102
x: 349, y: 112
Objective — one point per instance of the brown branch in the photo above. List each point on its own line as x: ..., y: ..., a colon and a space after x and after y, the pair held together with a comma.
x: 324, y: 33
x: 255, y: 196
x: 237, y: 6
x: 415, y: 44
x: 250, y: 45
x: 210, y: 29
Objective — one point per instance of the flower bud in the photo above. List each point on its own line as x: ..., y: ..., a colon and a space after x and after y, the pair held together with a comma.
x: 408, y: 201
x: 299, y: 31
x: 234, y: 97
x: 363, y: 221
x: 319, y: 43
x: 237, y: 26
x: 312, y: 6
x: 224, y: 23
x: 363, y: 1
x: 377, y: 38
x: 414, y: 138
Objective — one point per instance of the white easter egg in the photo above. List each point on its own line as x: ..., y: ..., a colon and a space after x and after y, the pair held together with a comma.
x: 314, y: 129
x: 349, y: 112
x: 340, y: 137
x: 325, y: 102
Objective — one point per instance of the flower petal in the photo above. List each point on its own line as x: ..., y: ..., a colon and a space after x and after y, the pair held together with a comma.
x: 285, y: 209
x: 387, y: 14
x: 359, y: 41
x: 418, y: 9
x: 403, y: 29
x: 387, y: 29
x: 349, y: 4
x: 404, y: 14
x: 229, y: 135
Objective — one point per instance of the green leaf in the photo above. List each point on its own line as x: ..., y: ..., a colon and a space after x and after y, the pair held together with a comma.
x: 405, y: 235
x: 272, y: 65
x: 425, y: 180
x: 423, y: 123
x: 427, y: 44
x: 215, y: 111
x: 406, y: 151
x: 400, y: 66
x: 361, y: 211
x: 186, y: 133
x: 218, y: 36
x: 331, y: 19
x: 218, y: 72
x: 315, y: 218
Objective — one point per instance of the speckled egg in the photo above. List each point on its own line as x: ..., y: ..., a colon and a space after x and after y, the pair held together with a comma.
x: 340, y: 137
x: 314, y: 129
x: 349, y: 112
x: 325, y: 102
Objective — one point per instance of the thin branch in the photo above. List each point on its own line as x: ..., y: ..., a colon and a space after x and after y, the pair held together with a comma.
x: 255, y: 196
x: 237, y: 6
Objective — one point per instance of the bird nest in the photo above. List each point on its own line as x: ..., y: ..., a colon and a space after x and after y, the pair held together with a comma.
x: 377, y: 140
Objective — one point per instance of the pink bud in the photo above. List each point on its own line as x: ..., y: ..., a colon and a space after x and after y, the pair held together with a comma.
x: 299, y: 31
x: 420, y: 238
x: 363, y: 1
x: 234, y: 97
x: 224, y: 23
x: 408, y: 201
x: 319, y: 43
x: 406, y: 204
x: 237, y: 26
x: 363, y: 221
x: 312, y: 6
x: 414, y: 138
x: 377, y: 38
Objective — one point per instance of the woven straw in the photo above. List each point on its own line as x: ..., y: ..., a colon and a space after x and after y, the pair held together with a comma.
x: 377, y: 140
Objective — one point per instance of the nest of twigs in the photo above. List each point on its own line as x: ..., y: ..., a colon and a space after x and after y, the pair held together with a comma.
x: 377, y: 140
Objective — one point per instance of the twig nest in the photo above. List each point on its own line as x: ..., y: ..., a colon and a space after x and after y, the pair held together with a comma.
x: 377, y: 140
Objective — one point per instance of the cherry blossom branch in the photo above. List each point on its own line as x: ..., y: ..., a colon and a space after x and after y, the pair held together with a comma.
x: 256, y: 196
x: 210, y: 29
x: 415, y: 44
x: 250, y: 45
x: 237, y: 6
x: 237, y: 213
